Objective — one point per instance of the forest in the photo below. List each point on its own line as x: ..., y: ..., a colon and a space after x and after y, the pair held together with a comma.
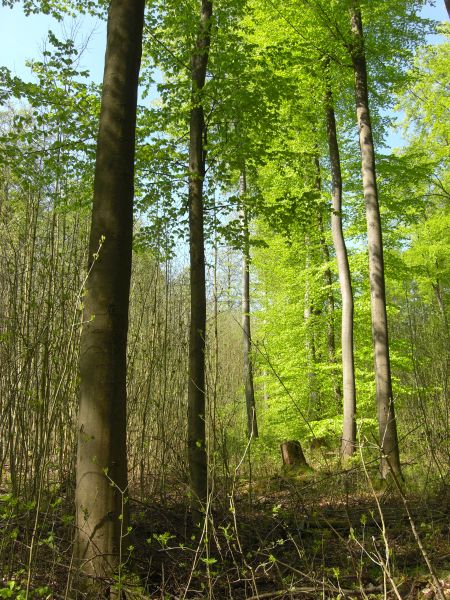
x: 224, y: 303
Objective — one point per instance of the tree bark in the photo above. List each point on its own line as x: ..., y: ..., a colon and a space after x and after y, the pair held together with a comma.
x: 292, y: 454
x: 345, y: 282
x: 437, y: 288
x: 385, y: 402
x: 196, y: 390
x: 101, y: 488
x: 252, y: 425
x: 447, y: 6
x: 328, y: 280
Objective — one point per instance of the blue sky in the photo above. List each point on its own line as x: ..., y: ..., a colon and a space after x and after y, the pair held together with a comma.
x: 437, y: 12
x: 22, y: 38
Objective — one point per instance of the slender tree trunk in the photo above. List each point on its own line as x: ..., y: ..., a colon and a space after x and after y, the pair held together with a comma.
x: 385, y: 401
x: 437, y: 288
x: 102, y: 460
x: 328, y: 280
x: 345, y: 282
x: 252, y: 426
x: 196, y: 390
x: 447, y: 6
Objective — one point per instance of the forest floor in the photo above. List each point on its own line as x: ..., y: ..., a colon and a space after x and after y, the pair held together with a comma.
x: 280, y: 538
x: 288, y: 543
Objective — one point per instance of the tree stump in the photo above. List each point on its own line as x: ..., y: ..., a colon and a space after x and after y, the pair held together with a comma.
x: 292, y: 454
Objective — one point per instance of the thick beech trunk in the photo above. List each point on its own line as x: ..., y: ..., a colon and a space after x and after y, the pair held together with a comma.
x: 345, y: 282
x: 252, y: 426
x: 102, y: 461
x: 196, y: 390
x: 385, y: 401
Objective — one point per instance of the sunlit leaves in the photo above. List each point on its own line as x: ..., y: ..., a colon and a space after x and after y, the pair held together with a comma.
x: 51, y: 121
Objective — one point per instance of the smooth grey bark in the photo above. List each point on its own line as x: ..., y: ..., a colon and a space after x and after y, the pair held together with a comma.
x: 252, y: 425
x: 101, y: 487
x: 345, y: 282
x: 328, y: 280
x: 196, y: 389
x: 388, y: 441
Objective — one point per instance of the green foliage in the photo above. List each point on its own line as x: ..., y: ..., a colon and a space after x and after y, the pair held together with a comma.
x: 50, y: 136
x: 59, y: 9
x: 14, y: 589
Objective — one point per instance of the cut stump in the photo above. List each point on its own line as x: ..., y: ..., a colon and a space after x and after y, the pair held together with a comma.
x: 292, y: 454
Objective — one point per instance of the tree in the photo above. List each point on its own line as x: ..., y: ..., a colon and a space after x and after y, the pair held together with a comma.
x: 385, y: 401
x: 348, y: 366
x: 252, y: 426
x: 101, y: 489
x: 197, y: 160
x: 328, y: 282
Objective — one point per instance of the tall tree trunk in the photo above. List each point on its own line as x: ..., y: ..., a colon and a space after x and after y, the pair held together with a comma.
x: 101, y: 487
x: 447, y: 6
x: 252, y: 426
x: 385, y: 401
x: 437, y: 288
x: 345, y: 282
x: 328, y: 280
x: 196, y: 390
